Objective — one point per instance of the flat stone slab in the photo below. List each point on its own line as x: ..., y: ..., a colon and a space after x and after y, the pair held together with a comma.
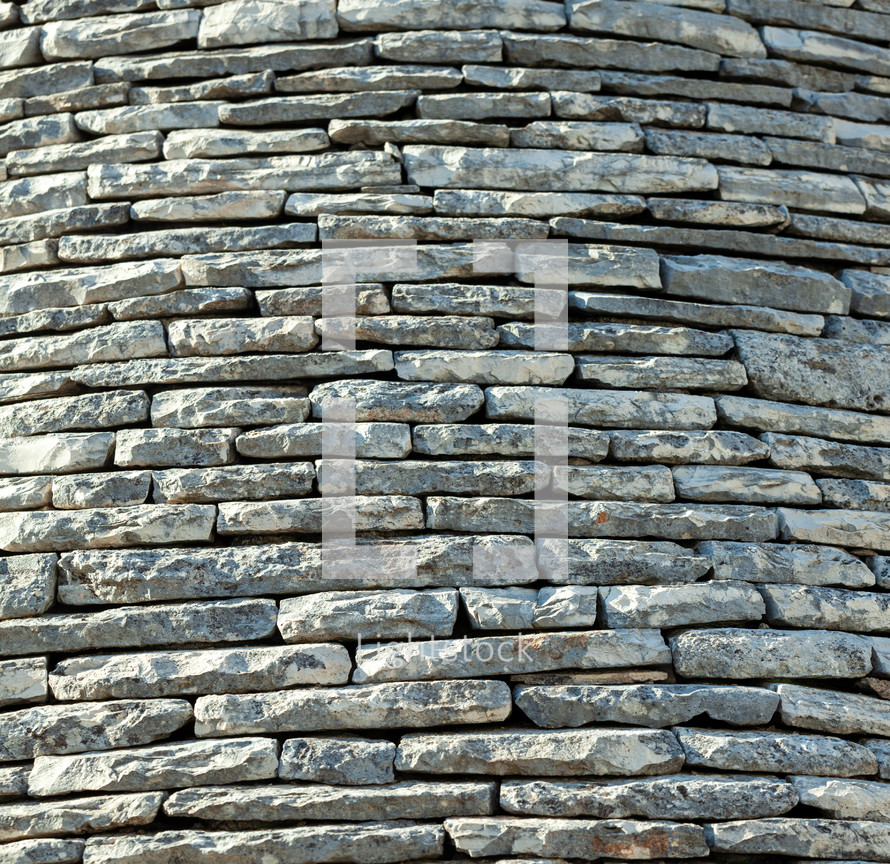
x: 28, y: 585
x: 654, y: 705
x: 346, y: 761
x: 844, y: 799
x: 832, y: 711
x: 826, y: 608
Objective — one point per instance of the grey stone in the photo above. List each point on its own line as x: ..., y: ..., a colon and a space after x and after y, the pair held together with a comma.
x: 18, y: 385
x: 572, y: 838
x: 676, y: 447
x: 175, y: 673
x: 533, y: 49
x: 365, y: 615
x: 43, y: 851
x: 536, y: 753
x: 239, y: 482
x: 881, y: 750
x: 823, y: 372
x: 524, y: 78
x: 28, y: 586
x: 826, y: 608
x: 482, y: 106
x: 100, y: 96
x: 370, y: 299
x: 143, y: 118
x: 643, y: 483
x: 210, y: 337
x: 189, y: 301
x: 777, y: 563
x: 384, y: 842
x: 371, y: 513
x: 721, y: 34
x: 661, y: 373
x: 725, y: 213
x: 465, y: 658
x: 372, y: 441
x: 802, y: 420
x: 346, y: 761
x: 233, y: 87
x: 25, y: 493
x: 572, y: 105
x: 555, y: 170
x: 736, y: 653
x: 844, y: 799
x: 829, y: 157
x: 484, y: 367
x: 805, y: 190
x: 870, y: 292
x: 501, y: 439
x: 229, y: 406
x: 28, y: 195
x: 588, y: 264
x: 779, y: 752
x: 289, y: 109
x: 855, y: 494
x: 45, y: 80
x: 824, y: 838
x: 141, y: 627
x: 52, y: 223
x: 140, y: 575
x: 752, y: 120
x: 740, y: 280
x: 500, y: 608
x: 708, y: 145
x: 831, y: 711
x: 856, y: 528
x: 242, y: 22
x: 436, y: 46
x: 618, y: 562
x: 467, y: 300
x: 811, y: 46
x: 876, y: 197
x: 441, y: 331
x: 635, y: 84
x: 20, y: 47
x: 213, y: 143
x: 120, y: 34
x: 471, y: 202
x: 55, y: 454
x: 150, y: 448
x: 653, y: 705
x: 680, y: 605
x: 832, y: 228
x: 607, y: 408
x: 77, y: 815
x: 210, y: 208
x: 400, y: 402
x: 745, y: 485
x: 23, y: 681
x: 411, y: 799
x: 58, y: 320
x: 828, y: 457
x: 427, y: 228
x: 113, y: 489
x: 75, y: 728
x: 413, y: 15
x: 163, y: 766
x: 14, y: 781
x: 347, y: 78
x: 33, y: 132
x: 313, y: 204
x: 680, y: 796
x: 377, y: 706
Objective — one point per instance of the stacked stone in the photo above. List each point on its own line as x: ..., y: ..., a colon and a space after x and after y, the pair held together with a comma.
x: 702, y: 669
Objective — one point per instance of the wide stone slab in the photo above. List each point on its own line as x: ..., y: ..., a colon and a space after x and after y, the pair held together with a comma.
x: 681, y: 796
x: 855, y: 528
x: 833, y: 711
x: 679, y: 447
x: 242, y: 22
x: 541, y: 753
x: 164, y: 766
x: 372, y: 440
x: 828, y: 457
x: 344, y: 761
x: 221, y: 670
x: 826, y: 608
x: 229, y: 406
x: 413, y: 15
x: 745, y: 485
x: 485, y: 367
x: 379, y: 706
x: 845, y: 799
x: 501, y: 439
x: 570, y: 838
x: 554, y: 170
x: 244, y: 482
x: 380, y: 842
x: 737, y: 653
x: 509, y: 655
x: 140, y: 627
x: 411, y: 799
x: 654, y: 705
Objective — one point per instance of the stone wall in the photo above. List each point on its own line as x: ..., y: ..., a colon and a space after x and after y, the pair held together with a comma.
x: 696, y: 665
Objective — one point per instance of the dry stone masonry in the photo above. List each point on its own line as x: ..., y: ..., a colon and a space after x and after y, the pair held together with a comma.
x: 669, y: 217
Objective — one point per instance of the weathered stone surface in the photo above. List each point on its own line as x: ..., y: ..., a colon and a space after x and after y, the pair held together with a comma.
x: 569, y: 837
x: 233, y: 87
x: 377, y: 706
x: 774, y: 752
x: 90, y: 411
x: 245, y: 482
x: 190, y: 301
x: 749, y: 120
x: 211, y: 337
x: 28, y: 586
x: 164, y: 766
x: 23, y: 681
x: 776, y: 563
x: 646, y: 483
x: 856, y: 528
x: 372, y: 441
x: 136, y: 575
x: 541, y: 753
x: 142, y: 627
x: 802, y: 420
x: 855, y: 494
x: 554, y: 170
x: 370, y: 299
x: 26, y: 493
x: 43, y: 851
x: 481, y: 106
x: 484, y: 367
x: 113, y: 489
x: 51, y: 729
x: 28, y: 195
x: 812, y: 46
x: 680, y: 796
x: 242, y: 22
x: 844, y: 799
x: 823, y: 838
x: 14, y: 781
x: 651, y: 705
x: 606, y: 408
x: 229, y: 406
x: 78, y: 815
x: 213, y: 143
x: 210, y: 208
x: 853, y: 377
x: 384, y: 842
x: 725, y: 213
x: 369, y: 78
x: 52, y: 223
x: 580, y: 136
x: 33, y: 132
x: 676, y: 447
x: 436, y: 46
x: 618, y: 562
x: 137, y: 448
x: 313, y: 204
x: 364, y: 615
x: 587, y: 106
x: 831, y: 711
x: 679, y: 605
x: 490, y: 439
x: 708, y: 145
x: 721, y: 34
x: 134, y: 147
x: 806, y: 190
x: 411, y: 799
x: 412, y: 15
x: 504, y: 608
x: 826, y: 608
x: 346, y: 761
x: 741, y: 280
x: 55, y: 454
x: 441, y: 331
x: 509, y: 655
x: 745, y: 485
x: 470, y: 202
x: 736, y: 653
x: 662, y: 373
x: 829, y: 457
x: 288, y: 109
